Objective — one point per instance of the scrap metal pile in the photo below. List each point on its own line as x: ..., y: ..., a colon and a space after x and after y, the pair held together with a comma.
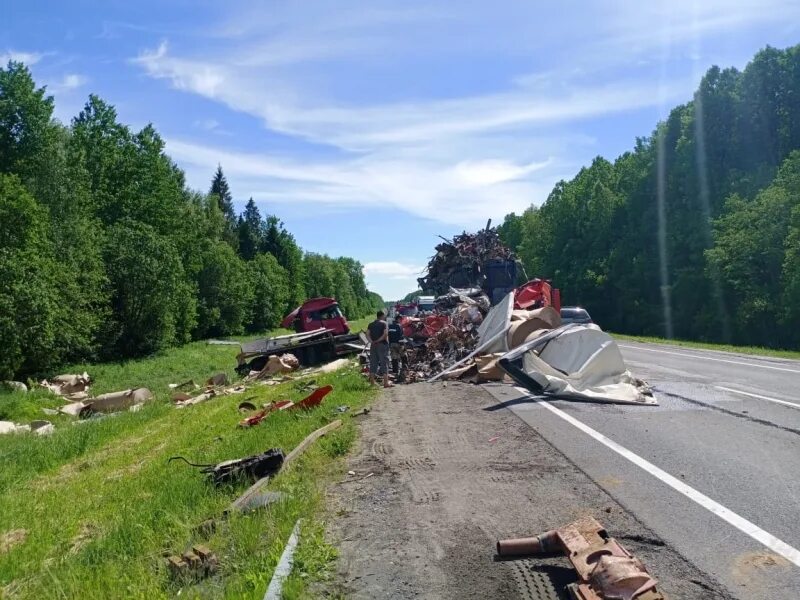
x: 460, y: 262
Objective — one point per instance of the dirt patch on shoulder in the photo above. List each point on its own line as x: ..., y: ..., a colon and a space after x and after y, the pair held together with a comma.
x: 12, y: 538
x: 449, y: 479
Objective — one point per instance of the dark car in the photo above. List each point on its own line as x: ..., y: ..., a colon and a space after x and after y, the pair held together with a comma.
x: 575, y: 314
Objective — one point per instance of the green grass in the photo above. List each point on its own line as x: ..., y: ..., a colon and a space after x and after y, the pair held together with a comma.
x: 710, y: 346
x: 100, y: 505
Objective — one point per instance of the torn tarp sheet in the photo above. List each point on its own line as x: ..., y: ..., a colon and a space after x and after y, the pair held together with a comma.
x: 576, y: 362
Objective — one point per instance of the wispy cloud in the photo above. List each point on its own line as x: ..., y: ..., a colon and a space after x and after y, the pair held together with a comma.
x: 393, y: 270
x: 28, y: 58
x: 489, y: 140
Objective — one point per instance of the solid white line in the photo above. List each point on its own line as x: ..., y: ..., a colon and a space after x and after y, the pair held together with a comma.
x: 759, y: 396
x: 275, y: 589
x: 754, y: 531
x: 701, y: 357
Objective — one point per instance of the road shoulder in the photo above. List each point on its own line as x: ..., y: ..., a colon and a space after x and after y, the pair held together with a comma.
x: 440, y: 472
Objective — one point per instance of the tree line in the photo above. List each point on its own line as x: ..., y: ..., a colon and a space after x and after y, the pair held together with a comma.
x: 695, y: 232
x: 106, y: 253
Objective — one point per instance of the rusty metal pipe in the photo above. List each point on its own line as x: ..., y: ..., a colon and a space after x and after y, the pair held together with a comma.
x: 545, y: 543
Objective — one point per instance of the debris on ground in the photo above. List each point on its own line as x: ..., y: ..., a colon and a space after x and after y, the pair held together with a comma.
x: 116, y: 401
x: 312, y: 400
x: 285, y: 363
x: 37, y: 427
x: 68, y: 386
x: 576, y: 362
x: 197, y: 563
x: 217, y: 380
x: 606, y: 570
x: 251, y: 467
x: 284, y: 566
x: 14, y: 386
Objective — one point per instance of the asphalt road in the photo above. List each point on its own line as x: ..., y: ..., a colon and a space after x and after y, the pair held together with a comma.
x: 714, y: 470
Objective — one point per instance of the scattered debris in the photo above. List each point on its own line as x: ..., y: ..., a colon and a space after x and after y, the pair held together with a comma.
x: 186, y: 385
x: 576, y: 362
x: 337, y: 364
x: 116, y: 401
x: 246, y: 406
x: 42, y: 427
x: 606, y: 570
x: 15, y: 386
x: 222, y: 343
x: 363, y: 411
x: 37, y: 427
x: 218, y: 380
x: 12, y: 538
x: 259, y: 485
x: 65, y: 385
x: 264, y: 499
x: 284, y: 567
x: 342, y: 409
x: 197, y: 563
x: 253, y: 467
x: 312, y: 400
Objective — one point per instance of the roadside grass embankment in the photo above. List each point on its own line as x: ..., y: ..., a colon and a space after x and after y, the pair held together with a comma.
x: 752, y: 350
x: 90, y: 511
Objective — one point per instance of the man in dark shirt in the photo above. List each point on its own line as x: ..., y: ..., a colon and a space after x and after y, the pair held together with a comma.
x: 378, y: 333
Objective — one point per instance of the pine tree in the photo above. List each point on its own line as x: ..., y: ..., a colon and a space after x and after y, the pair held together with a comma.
x: 222, y: 192
x: 251, y: 231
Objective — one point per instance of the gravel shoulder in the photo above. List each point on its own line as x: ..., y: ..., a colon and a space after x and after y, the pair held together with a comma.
x: 441, y: 472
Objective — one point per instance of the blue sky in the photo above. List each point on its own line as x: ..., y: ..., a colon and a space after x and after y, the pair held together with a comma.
x: 372, y: 127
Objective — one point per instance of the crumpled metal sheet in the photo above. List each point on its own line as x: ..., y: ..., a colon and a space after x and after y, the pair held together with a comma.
x: 576, y: 362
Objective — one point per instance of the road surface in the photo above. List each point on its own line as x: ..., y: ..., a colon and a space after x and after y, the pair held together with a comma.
x: 714, y: 470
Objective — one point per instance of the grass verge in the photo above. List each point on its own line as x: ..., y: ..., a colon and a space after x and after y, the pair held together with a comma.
x: 90, y: 511
x: 753, y: 350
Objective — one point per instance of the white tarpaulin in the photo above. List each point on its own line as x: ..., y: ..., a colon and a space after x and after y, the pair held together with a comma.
x: 579, y: 362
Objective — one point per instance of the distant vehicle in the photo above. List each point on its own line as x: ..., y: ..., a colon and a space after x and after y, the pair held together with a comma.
x: 575, y: 314
x: 426, y: 303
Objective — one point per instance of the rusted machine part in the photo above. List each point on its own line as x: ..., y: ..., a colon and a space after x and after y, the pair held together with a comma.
x: 546, y: 543
x: 606, y: 570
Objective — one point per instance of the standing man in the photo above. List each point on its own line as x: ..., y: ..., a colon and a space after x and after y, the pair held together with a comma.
x: 378, y: 333
x: 397, y: 349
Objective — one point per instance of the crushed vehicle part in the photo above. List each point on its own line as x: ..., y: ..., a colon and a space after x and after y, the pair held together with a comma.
x: 115, y: 401
x: 576, y: 362
x: 606, y: 570
x: 11, y: 427
x: 257, y: 466
x: 309, y: 402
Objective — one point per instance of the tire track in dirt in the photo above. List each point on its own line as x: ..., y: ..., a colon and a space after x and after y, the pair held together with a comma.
x: 451, y: 478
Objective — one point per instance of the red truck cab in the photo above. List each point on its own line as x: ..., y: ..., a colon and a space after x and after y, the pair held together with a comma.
x: 316, y: 313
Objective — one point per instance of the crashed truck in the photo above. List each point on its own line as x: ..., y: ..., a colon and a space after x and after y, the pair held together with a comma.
x: 322, y: 334
x: 571, y: 362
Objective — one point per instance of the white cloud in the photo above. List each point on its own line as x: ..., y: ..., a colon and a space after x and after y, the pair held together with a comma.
x: 393, y: 270
x: 346, y: 79
x: 73, y: 81
x: 28, y: 58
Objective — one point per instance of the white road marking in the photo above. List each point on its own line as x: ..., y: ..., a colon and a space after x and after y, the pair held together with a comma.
x: 759, y: 396
x: 724, y: 360
x: 754, y: 531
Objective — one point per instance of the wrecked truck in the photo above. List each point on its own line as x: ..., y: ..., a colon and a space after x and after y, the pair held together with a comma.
x: 322, y: 335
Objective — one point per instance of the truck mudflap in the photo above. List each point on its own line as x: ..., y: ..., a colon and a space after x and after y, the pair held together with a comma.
x: 576, y: 362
